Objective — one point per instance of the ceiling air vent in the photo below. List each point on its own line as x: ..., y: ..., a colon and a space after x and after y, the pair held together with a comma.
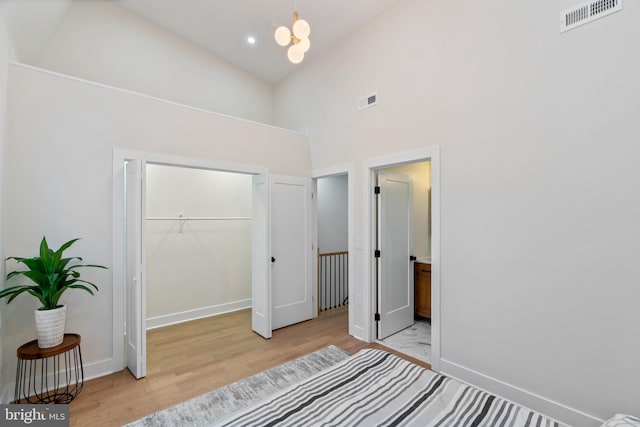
x: 368, y: 101
x: 587, y: 12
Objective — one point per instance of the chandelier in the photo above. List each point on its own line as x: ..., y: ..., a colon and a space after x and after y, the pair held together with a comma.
x: 297, y: 39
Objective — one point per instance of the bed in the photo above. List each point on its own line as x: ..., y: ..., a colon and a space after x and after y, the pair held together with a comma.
x: 376, y: 388
x: 622, y: 420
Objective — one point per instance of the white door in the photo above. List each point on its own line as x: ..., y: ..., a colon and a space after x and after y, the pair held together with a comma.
x: 395, y: 243
x: 136, y: 338
x: 260, y: 262
x: 292, y: 296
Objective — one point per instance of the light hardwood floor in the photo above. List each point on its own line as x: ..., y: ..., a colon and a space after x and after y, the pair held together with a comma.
x: 189, y: 359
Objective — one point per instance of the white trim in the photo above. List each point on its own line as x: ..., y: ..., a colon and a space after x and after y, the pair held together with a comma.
x: 368, y: 294
x: 99, y: 369
x: 349, y: 170
x: 333, y: 170
x: 436, y: 278
x: 189, y: 162
x: 357, y: 331
x: 90, y: 371
x: 197, y: 313
x: 119, y: 157
x: 117, y: 260
x: 6, y: 393
x: 520, y: 396
x: 153, y: 98
x: 314, y: 243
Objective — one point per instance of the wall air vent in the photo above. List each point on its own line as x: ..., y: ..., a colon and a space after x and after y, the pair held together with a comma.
x: 368, y: 101
x: 587, y: 12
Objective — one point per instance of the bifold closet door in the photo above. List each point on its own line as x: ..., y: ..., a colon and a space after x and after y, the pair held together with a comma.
x: 260, y: 263
x: 136, y: 313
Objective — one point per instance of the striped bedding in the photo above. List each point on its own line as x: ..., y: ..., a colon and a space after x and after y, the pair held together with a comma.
x: 376, y: 388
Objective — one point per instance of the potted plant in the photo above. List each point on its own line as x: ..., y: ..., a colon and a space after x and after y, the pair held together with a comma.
x: 52, y: 275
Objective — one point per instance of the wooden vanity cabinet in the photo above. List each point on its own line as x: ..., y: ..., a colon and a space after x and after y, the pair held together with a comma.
x: 422, y: 286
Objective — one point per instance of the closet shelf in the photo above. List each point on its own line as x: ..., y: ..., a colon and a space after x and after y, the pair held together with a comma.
x: 199, y: 218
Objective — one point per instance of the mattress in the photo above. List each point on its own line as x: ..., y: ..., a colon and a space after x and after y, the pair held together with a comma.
x: 622, y: 420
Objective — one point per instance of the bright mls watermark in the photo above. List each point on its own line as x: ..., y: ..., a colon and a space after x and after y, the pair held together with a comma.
x: 34, y: 415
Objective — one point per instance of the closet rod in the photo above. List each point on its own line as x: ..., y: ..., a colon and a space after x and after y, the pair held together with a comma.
x: 199, y: 218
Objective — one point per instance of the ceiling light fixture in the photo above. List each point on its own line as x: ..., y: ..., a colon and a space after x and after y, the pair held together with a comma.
x: 298, y: 39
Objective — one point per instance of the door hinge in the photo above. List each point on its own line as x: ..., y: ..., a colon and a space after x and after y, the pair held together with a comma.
x: 376, y: 317
x: 376, y: 190
x: 376, y: 253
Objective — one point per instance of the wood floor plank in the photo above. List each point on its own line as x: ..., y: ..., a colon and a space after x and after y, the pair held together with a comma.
x: 189, y: 359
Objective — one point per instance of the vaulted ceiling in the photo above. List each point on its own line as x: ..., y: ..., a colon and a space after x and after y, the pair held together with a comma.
x: 223, y: 26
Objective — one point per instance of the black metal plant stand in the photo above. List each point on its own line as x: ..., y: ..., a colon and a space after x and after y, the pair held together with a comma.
x: 49, y: 375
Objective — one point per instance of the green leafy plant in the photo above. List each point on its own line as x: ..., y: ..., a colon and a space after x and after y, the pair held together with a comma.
x: 52, y: 275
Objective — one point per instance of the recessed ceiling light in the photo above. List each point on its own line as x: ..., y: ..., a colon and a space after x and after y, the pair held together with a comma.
x: 251, y: 40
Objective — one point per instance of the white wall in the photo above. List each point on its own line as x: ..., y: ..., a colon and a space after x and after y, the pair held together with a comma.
x: 61, y: 133
x: 539, y: 211
x: 4, y: 69
x: 420, y: 173
x: 333, y: 211
x: 103, y: 42
x: 31, y: 26
x: 196, y: 268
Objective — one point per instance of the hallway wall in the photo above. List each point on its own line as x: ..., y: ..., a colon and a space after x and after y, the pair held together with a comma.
x: 333, y: 214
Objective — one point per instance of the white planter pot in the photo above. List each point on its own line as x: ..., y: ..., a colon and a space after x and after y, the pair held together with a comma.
x: 50, y: 326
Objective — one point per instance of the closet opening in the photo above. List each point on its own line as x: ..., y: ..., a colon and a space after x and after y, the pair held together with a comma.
x: 188, y: 241
x: 217, y: 248
x: 197, y: 239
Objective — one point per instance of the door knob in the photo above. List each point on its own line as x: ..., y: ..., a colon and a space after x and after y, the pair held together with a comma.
x: 273, y: 259
x: 412, y: 258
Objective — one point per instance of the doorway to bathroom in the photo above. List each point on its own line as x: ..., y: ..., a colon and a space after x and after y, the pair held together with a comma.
x: 403, y: 257
x: 370, y: 294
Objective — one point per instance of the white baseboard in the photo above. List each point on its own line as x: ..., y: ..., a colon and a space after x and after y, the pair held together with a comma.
x: 199, y: 313
x: 545, y: 406
x: 6, y: 394
x: 90, y: 371
x: 100, y: 369
x: 358, y: 332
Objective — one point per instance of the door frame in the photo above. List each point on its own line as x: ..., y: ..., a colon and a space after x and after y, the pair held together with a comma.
x: 118, y: 284
x: 346, y: 169
x: 370, y: 166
